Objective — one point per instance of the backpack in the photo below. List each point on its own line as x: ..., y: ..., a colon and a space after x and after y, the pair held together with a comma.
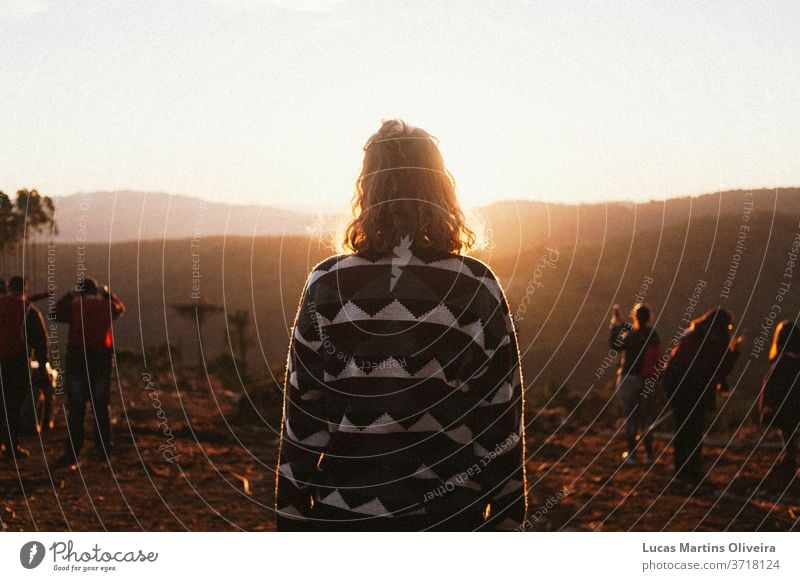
x: 680, y: 357
x: 651, y: 360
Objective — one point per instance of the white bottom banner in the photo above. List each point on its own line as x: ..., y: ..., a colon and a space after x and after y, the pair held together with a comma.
x: 389, y: 556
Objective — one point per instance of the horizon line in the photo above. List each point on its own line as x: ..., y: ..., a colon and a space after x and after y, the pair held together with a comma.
x: 513, y: 200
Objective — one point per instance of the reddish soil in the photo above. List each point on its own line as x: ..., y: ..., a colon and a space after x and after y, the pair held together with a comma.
x: 594, y: 490
x: 222, y: 478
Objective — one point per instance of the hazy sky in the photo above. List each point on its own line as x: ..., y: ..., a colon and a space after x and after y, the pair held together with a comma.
x: 271, y: 101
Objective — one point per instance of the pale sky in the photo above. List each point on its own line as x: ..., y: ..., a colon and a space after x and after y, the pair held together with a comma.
x: 271, y: 101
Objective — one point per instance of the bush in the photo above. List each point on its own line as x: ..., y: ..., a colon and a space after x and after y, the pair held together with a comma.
x: 262, y: 402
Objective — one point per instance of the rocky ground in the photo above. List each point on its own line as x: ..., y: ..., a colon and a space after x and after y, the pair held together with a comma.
x: 222, y: 479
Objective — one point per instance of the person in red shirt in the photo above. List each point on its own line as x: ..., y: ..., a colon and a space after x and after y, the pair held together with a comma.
x: 89, y: 312
x: 18, y: 327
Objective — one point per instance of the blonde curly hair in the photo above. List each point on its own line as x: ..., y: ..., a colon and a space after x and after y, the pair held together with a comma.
x: 405, y: 191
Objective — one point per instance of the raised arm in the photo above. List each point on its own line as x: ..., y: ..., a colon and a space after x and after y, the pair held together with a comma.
x: 618, y: 336
x: 117, y: 306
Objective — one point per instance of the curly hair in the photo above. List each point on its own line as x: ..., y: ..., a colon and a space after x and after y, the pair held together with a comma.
x: 786, y: 338
x: 405, y: 192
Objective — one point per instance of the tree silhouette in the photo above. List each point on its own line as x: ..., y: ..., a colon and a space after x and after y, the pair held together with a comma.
x: 8, y: 222
x: 198, y: 312
x: 22, y: 220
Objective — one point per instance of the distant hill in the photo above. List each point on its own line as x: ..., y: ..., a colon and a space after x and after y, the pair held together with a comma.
x: 602, y: 259
x: 513, y: 225
x: 681, y: 271
x: 120, y: 216
x: 510, y: 225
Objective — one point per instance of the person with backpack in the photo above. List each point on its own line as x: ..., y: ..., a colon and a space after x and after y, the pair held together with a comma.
x: 779, y: 400
x: 638, y: 346
x: 21, y: 328
x: 702, y: 360
x: 90, y: 313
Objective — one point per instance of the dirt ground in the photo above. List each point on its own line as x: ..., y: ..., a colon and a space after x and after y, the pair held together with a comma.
x: 222, y: 479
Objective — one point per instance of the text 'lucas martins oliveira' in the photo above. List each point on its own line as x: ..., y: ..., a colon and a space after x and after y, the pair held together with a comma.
x: 709, y: 548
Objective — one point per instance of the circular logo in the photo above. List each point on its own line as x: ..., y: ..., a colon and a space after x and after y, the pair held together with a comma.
x: 31, y: 554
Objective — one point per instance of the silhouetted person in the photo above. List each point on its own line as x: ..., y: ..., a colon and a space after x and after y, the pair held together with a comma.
x: 779, y: 401
x: 403, y: 398
x: 703, y: 358
x: 3, y: 287
x: 20, y: 330
x: 90, y: 313
x: 638, y: 345
x: 38, y: 348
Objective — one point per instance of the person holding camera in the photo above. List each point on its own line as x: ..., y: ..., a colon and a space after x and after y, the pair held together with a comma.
x: 90, y: 313
x: 638, y: 345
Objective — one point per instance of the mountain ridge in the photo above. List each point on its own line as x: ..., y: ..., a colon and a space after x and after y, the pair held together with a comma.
x: 125, y: 215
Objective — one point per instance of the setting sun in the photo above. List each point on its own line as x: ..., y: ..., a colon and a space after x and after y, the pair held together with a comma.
x: 252, y: 102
